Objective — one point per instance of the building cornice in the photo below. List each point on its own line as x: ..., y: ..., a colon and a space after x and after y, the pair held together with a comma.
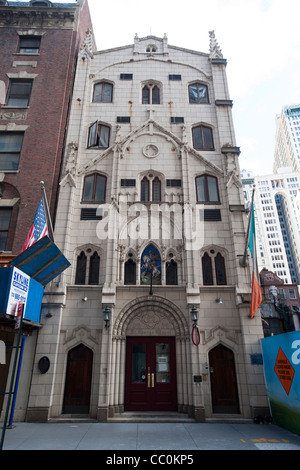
x: 24, y: 17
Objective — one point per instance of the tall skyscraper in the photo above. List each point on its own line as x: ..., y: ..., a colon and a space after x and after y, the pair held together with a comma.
x: 287, y: 144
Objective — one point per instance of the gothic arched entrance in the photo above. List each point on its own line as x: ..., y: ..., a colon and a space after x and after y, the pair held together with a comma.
x: 223, y: 381
x: 78, y: 380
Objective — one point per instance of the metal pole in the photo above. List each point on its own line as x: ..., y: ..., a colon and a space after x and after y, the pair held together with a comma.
x: 12, y: 380
x: 243, y: 260
x: 17, y: 382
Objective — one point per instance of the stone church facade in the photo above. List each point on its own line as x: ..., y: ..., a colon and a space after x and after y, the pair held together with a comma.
x: 153, y: 314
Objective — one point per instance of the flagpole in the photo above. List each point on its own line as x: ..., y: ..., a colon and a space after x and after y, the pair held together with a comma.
x: 243, y: 260
x: 49, y: 223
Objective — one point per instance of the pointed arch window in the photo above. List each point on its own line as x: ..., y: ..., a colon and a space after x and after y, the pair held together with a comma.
x: 156, y: 189
x: 171, y: 273
x: 145, y: 187
x: 213, y: 269
x: 151, y: 190
x: 98, y: 135
x: 151, y: 266
x: 130, y: 272
x: 87, y: 268
x: 150, y: 94
x: 207, y: 270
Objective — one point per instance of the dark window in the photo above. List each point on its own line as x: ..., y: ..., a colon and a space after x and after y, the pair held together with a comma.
x: 94, y: 188
x: 127, y: 183
x: 123, y: 119
x: 94, y: 269
x: 130, y: 272
x: 29, y: 44
x: 81, y: 269
x: 98, y: 135
x: 126, y: 76
x: 174, y: 183
x: 203, y: 138
x: 220, y: 270
x: 10, y: 149
x: 146, y: 95
x: 174, y: 77
x: 19, y: 93
x: 207, y: 270
x: 103, y: 93
x: 145, y: 196
x: 210, y: 215
x: 198, y: 93
x: 156, y: 189
x: 207, y: 189
x: 177, y: 120
x: 5, y: 216
x: 171, y: 273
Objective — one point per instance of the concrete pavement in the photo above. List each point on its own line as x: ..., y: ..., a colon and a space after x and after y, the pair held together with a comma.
x: 179, y: 437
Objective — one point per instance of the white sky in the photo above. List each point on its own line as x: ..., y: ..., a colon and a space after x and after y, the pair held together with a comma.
x: 259, y: 38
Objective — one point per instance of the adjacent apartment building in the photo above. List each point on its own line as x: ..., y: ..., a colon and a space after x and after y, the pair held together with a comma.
x: 153, y: 314
x: 39, y: 44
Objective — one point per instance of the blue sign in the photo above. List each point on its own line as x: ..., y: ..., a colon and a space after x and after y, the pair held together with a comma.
x: 281, y: 357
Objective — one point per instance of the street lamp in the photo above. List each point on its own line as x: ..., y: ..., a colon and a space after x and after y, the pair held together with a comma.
x: 195, y: 315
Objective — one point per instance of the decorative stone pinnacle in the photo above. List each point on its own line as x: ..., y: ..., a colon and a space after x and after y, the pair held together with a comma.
x: 214, y: 48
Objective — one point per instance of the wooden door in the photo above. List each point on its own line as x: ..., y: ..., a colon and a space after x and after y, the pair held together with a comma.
x: 78, y: 380
x: 223, y: 380
x: 150, y: 383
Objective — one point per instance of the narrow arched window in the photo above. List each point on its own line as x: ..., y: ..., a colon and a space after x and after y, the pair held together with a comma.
x: 130, y: 272
x: 156, y: 189
x: 171, y: 273
x: 145, y: 194
x: 94, y: 269
x: 207, y: 270
x: 81, y: 269
x: 146, y: 95
x: 202, y: 138
x: 220, y: 270
x: 151, y: 94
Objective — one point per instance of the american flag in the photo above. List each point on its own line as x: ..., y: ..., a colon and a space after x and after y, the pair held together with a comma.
x: 39, y: 227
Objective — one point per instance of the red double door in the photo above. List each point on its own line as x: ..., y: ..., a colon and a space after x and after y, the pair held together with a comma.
x: 150, y: 383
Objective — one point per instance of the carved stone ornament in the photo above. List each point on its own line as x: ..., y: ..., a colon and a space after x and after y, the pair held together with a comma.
x: 150, y: 151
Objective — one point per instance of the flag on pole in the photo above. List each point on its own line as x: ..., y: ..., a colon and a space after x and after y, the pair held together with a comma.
x: 39, y: 228
x: 256, y: 296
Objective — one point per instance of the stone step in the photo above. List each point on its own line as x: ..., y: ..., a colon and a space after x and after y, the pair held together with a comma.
x: 150, y: 417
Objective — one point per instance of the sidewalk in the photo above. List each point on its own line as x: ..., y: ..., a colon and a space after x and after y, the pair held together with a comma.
x: 148, y: 436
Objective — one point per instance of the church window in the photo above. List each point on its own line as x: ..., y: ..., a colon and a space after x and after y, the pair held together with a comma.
x: 151, y: 191
x: 103, y: 93
x: 171, y: 273
x: 87, y: 268
x: 213, y: 269
x: 198, y: 93
x: 98, y: 135
x: 202, y: 138
x: 150, y: 94
x: 207, y: 189
x: 94, y: 188
x: 130, y: 272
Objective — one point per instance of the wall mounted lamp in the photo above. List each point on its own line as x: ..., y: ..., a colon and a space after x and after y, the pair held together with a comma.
x: 107, y: 313
x: 195, y: 315
x: 219, y: 300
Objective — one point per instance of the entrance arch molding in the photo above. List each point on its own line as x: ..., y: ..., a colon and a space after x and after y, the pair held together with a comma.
x: 156, y: 304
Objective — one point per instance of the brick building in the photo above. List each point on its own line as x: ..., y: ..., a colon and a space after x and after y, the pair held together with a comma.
x: 39, y: 45
x: 151, y: 216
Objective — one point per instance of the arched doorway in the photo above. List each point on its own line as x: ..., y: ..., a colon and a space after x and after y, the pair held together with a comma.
x: 223, y: 381
x: 78, y: 380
